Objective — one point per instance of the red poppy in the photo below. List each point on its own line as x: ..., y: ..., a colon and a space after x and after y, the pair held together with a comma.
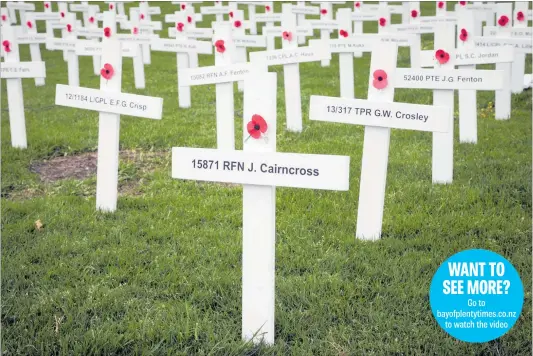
x: 343, y: 33
x: 91, y: 19
x: 189, y: 19
x: 237, y: 24
x: 442, y: 56
x: 267, y: 8
x: 231, y: 14
x: 463, y: 36
x: 135, y: 30
x: 6, y: 45
x: 111, y: 7
x: 107, y: 32
x: 287, y: 36
x: 257, y: 126
x: 46, y: 5
x: 440, y: 4
x: 382, y: 21
x: 142, y: 16
x: 29, y: 24
x: 179, y: 26
x: 323, y: 11
x: 503, y: 21
x: 107, y: 72
x: 183, y: 6
x: 462, y: 3
x: 357, y: 4
x: 4, y: 17
x: 62, y: 14
x: 380, y: 79
x: 219, y: 45
x: 414, y: 13
x: 69, y: 27
x: 520, y: 16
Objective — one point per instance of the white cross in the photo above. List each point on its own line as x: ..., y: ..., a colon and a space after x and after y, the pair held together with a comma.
x: 68, y: 45
x: 21, y: 7
x: 290, y: 57
x: 378, y: 114
x: 519, y: 30
x: 184, y: 48
x: 110, y: 103
x: 260, y: 169
x: 360, y: 43
x: 12, y: 69
x: 32, y: 38
x: 223, y: 74
x: 443, y: 81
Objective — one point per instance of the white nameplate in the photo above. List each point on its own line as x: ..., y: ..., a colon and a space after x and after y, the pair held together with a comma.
x: 393, y: 9
x: 212, y: 10
x: 437, y: 19
x: 344, y: 45
x: 520, y: 45
x: 60, y: 44
x: 382, y: 114
x: 20, y: 6
x: 362, y: 16
x: 32, y: 38
x: 152, y: 25
x: 92, y: 48
x: 213, y: 74
x: 23, y: 70
x: 249, y: 41
x: 515, y: 32
x: 115, y: 103
x: 305, y: 10
x: 262, y: 168
x: 118, y: 18
x: 448, y: 79
x: 192, y: 32
x: 46, y: 16
x: 323, y: 24
x: 83, y: 8
x: 268, y: 18
x: 293, y: 55
x: 182, y: 46
x: 278, y: 31
x: 420, y: 28
x: 469, y: 57
x: 90, y: 32
x: 136, y: 38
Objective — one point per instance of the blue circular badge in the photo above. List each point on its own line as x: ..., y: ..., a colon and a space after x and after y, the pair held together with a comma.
x: 476, y: 295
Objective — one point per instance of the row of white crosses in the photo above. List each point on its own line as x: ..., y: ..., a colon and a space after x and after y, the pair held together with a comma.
x: 13, y: 70
x: 110, y: 103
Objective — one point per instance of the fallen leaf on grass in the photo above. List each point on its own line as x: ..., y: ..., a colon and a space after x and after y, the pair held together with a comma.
x: 38, y: 225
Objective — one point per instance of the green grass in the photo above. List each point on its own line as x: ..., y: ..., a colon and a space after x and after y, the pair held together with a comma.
x: 162, y: 275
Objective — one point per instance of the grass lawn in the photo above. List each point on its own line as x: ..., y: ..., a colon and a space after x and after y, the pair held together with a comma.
x: 162, y: 275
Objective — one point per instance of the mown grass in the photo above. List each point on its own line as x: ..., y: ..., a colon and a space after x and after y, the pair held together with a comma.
x: 162, y: 275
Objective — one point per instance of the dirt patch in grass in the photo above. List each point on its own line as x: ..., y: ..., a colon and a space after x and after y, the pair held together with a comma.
x: 83, y: 166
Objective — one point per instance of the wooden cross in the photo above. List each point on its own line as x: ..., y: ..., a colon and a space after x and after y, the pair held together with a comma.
x: 12, y: 70
x: 260, y: 169
x: 110, y: 103
x: 378, y: 114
